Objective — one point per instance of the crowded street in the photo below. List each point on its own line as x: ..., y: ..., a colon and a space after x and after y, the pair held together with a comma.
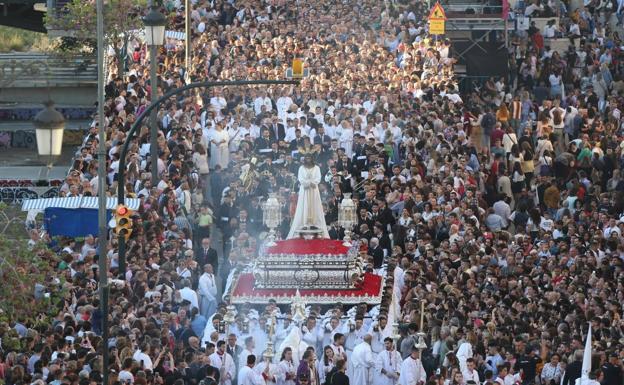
x: 376, y: 221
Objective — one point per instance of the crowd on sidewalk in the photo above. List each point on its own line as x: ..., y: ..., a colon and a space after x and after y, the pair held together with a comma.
x: 500, y: 207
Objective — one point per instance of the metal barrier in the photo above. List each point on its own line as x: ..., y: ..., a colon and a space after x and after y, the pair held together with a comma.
x: 15, y: 195
x: 20, y: 70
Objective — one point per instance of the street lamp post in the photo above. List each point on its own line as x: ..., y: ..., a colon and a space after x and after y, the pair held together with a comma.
x: 49, y: 127
x: 101, y: 157
x: 187, y: 41
x: 154, y: 37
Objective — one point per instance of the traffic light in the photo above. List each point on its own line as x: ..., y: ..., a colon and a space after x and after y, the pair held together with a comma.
x: 297, y: 68
x: 123, y: 222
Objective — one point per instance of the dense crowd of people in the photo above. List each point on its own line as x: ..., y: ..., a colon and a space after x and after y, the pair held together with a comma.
x: 499, y: 209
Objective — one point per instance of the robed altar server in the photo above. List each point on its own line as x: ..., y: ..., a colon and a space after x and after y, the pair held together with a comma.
x: 388, y: 365
x: 412, y: 371
x: 221, y: 360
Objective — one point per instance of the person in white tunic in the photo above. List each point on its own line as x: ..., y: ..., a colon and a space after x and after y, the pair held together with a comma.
x: 388, y: 365
x: 267, y: 370
x: 250, y: 345
x: 219, y: 151
x: 247, y: 375
x: 223, y: 361
x: 346, y: 138
x: 188, y: 294
x: 412, y: 371
x: 464, y: 352
x: 363, y: 363
x: 207, y: 290
x: 471, y: 374
x: 287, y: 369
x: 309, y: 210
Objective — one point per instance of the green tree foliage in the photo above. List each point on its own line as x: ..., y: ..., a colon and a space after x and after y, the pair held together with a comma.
x: 122, y: 21
x: 29, y: 289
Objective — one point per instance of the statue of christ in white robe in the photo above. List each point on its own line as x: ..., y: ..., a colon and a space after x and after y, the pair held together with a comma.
x: 309, y: 212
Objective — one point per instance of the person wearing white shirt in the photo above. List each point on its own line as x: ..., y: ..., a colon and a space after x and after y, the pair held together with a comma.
x: 337, y: 346
x: 502, y: 208
x: 283, y: 104
x: 412, y: 371
x: 260, y: 336
x: 528, y: 11
x: 223, y: 361
x: 331, y: 329
x: 250, y: 345
x: 549, y: 30
x: 464, y: 352
x: 574, y: 30
x: 389, y: 364
x: 262, y: 100
x: 356, y: 336
x: 248, y: 376
x: 207, y: 290
x: 186, y: 293
x: 312, y: 335
x: 470, y: 374
x: 370, y: 104
x: 218, y: 102
x: 144, y: 360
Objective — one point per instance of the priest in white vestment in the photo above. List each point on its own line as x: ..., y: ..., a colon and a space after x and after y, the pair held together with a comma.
x: 363, y: 363
x: 388, y: 366
x: 309, y: 211
x: 412, y: 371
x: 207, y: 290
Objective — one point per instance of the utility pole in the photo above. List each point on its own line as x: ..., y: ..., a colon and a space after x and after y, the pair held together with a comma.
x: 187, y: 41
x: 102, y: 225
x: 153, y: 119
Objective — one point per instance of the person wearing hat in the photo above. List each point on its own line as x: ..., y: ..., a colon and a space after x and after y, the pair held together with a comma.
x: 412, y: 370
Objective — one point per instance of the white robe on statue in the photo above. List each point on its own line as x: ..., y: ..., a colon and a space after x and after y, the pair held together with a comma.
x: 363, y: 364
x: 309, y: 206
x: 412, y: 372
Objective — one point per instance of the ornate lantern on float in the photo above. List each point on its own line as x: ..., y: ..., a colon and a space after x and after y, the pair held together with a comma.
x: 347, y: 217
x: 271, y: 216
